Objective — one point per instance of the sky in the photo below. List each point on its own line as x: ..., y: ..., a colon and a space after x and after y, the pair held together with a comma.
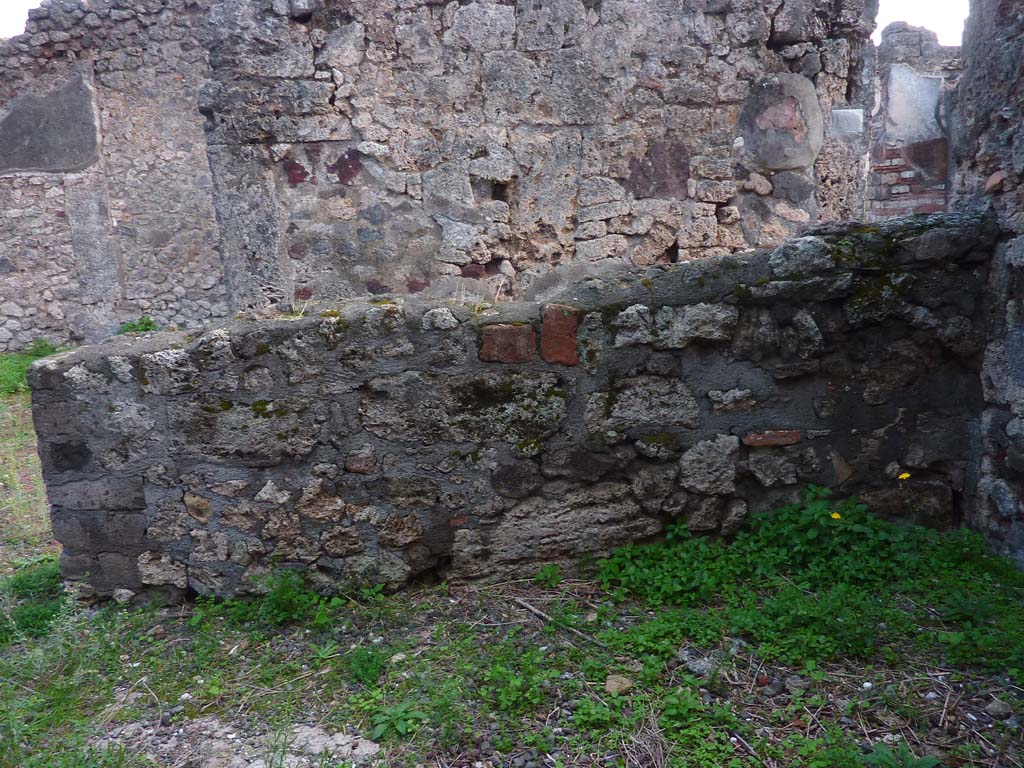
x: 946, y: 17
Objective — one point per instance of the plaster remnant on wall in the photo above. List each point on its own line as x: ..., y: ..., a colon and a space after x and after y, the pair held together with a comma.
x: 54, y: 132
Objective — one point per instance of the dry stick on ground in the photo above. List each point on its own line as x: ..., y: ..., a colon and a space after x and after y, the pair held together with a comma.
x: 746, y: 746
x: 541, y: 615
x: 945, y: 704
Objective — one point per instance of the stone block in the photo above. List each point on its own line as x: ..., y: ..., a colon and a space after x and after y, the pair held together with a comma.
x: 92, y: 532
x: 109, y: 494
x: 710, y: 466
x: 782, y: 124
x: 847, y: 122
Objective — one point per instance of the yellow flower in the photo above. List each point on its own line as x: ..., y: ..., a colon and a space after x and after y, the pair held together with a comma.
x: 836, y: 516
x: 905, y: 476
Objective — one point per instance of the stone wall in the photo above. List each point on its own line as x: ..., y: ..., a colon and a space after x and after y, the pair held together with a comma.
x: 200, y: 157
x: 989, y: 155
x: 399, y: 438
x: 105, y: 189
x: 909, y: 153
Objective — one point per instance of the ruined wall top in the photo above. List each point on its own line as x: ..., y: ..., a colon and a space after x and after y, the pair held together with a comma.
x: 989, y: 146
x: 254, y: 153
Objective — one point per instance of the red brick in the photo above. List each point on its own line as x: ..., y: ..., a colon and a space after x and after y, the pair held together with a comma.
x: 772, y: 437
x: 558, y: 334
x: 505, y: 343
x: 929, y: 208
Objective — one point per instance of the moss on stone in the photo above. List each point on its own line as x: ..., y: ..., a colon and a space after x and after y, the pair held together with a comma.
x: 529, y: 447
x: 664, y: 439
x: 485, y: 394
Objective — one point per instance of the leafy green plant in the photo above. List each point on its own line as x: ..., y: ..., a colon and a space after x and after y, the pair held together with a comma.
x: 14, y: 366
x: 826, y: 579
x: 594, y: 716
x: 402, y: 720
x: 371, y: 593
x: 549, y: 576
x: 30, y: 600
x: 515, y: 682
x: 364, y: 665
x: 144, y: 324
x: 883, y: 756
x: 288, y: 599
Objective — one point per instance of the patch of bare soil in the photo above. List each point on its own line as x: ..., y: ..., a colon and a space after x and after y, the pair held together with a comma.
x: 210, y: 742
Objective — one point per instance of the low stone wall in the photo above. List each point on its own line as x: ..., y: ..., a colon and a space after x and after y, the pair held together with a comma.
x: 381, y: 441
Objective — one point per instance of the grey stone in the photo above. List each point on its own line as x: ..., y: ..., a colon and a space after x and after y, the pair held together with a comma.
x: 675, y: 328
x: 710, y: 466
x: 801, y: 257
x: 846, y: 122
x: 998, y: 709
x: 772, y: 468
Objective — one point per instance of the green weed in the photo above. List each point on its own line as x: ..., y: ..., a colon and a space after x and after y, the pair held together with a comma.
x: 403, y: 719
x: 30, y: 600
x: 884, y: 756
x: 144, y: 324
x: 14, y: 366
x: 826, y: 580
x: 549, y: 576
x: 364, y: 665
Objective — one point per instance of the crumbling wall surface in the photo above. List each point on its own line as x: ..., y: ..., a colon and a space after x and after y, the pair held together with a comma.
x: 388, y: 439
x: 465, y: 148
x: 909, y: 161
x: 989, y: 153
x: 191, y: 158
x: 105, y: 190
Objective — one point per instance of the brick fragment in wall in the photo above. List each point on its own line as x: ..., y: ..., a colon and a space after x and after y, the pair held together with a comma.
x: 558, y: 334
x: 507, y: 343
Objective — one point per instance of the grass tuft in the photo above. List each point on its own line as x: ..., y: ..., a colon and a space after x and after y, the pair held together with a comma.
x: 14, y: 366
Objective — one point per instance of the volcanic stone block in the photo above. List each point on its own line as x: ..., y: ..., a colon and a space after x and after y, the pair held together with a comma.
x: 710, y: 466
